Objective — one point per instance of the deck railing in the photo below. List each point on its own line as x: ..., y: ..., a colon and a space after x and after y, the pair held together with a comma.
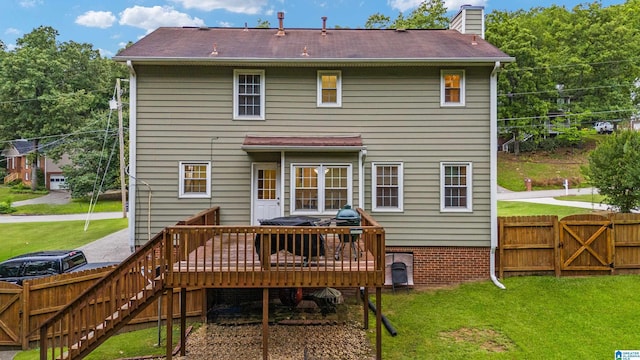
x: 275, y: 256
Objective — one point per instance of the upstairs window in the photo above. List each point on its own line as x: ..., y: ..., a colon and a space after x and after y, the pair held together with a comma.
x: 248, y: 94
x: 452, y: 88
x: 195, y: 180
x: 455, y: 183
x: 387, y: 187
x: 329, y: 89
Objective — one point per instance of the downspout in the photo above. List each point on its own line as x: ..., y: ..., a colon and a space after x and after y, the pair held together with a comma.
x: 133, y: 91
x: 493, y: 183
x: 361, y: 155
x: 282, y: 162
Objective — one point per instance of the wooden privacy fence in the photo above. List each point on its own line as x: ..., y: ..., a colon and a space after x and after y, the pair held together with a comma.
x: 575, y: 245
x: 24, y: 308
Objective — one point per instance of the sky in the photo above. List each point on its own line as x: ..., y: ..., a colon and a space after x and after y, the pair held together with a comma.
x: 109, y: 25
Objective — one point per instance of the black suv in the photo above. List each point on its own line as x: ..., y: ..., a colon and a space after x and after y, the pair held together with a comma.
x: 41, y: 264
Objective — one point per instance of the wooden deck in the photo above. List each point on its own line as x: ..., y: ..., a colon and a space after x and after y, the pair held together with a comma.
x: 228, y: 257
x: 200, y: 253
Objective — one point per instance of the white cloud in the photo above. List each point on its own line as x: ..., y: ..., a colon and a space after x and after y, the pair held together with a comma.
x: 150, y: 18
x: 30, y: 3
x: 225, y: 24
x: 251, y: 7
x: 451, y: 5
x: 105, y: 53
x: 12, y: 31
x: 99, y: 19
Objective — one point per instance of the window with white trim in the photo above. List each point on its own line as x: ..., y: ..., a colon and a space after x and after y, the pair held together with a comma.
x: 455, y: 187
x: 248, y: 95
x: 329, y: 88
x: 387, y: 187
x: 195, y: 180
x: 452, y: 88
x: 320, y: 188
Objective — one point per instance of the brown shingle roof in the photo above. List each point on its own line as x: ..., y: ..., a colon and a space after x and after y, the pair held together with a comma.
x: 180, y: 44
x: 257, y: 143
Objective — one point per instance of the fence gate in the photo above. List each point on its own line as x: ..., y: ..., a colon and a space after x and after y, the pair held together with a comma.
x: 10, y: 306
x: 585, y: 243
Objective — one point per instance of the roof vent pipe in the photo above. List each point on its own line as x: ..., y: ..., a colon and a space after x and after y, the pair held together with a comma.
x: 324, y: 26
x: 280, y: 24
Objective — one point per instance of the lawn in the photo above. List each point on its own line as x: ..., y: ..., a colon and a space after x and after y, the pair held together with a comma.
x: 5, y: 195
x: 74, y: 207
x: 545, y: 171
x: 521, y: 208
x: 536, y: 317
x: 20, y: 238
x: 126, y: 345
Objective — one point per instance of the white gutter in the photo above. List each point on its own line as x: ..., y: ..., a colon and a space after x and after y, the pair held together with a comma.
x: 493, y: 170
x: 133, y: 91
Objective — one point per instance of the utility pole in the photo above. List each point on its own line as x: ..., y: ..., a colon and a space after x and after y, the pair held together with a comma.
x: 123, y: 186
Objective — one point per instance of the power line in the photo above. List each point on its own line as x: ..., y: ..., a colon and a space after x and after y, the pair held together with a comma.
x: 564, y: 90
x: 568, y: 115
x: 574, y: 65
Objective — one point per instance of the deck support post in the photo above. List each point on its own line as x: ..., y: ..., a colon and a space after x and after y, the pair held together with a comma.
x: 183, y: 321
x: 169, y: 322
x: 265, y: 323
x: 378, y: 322
x: 365, y: 307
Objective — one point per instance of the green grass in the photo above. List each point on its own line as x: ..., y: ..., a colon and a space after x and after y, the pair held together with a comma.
x: 126, y: 345
x: 546, y: 171
x: 521, y: 208
x: 74, y: 207
x: 6, y: 194
x: 20, y: 238
x: 536, y: 317
x: 592, y: 198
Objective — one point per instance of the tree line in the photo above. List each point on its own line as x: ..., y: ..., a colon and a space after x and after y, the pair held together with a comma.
x: 573, y: 67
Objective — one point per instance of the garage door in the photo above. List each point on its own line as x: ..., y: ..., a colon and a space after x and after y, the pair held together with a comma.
x: 57, y: 182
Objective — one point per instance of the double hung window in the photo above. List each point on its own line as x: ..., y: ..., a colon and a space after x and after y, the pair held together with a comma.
x: 329, y: 88
x: 195, y: 180
x: 455, y: 182
x: 452, y: 88
x: 248, y: 94
x: 387, y: 187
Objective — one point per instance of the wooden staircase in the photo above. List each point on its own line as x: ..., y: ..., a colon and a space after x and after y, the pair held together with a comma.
x: 107, y: 306
x: 11, y: 177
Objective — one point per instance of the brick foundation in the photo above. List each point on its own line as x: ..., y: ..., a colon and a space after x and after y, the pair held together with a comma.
x: 437, y: 266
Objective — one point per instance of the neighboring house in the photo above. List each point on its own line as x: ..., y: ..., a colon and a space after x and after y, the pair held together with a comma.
x: 19, y: 166
x: 277, y: 122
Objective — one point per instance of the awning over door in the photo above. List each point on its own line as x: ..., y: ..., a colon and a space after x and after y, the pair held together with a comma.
x: 254, y: 143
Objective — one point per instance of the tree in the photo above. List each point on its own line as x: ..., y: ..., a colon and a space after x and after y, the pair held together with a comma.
x: 263, y: 24
x: 49, y: 88
x: 430, y: 14
x: 614, y: 168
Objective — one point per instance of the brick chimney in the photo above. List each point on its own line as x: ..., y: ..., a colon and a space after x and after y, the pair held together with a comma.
x: 280, y: 24
x: 469, y: 20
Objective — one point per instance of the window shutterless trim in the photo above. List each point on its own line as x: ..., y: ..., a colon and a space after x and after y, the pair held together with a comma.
x: 374, y: 187
x: 443, y: 88
x: 338, y: 89
x: 181, y: 188
x: 468, y: 186
x: 236, y: 94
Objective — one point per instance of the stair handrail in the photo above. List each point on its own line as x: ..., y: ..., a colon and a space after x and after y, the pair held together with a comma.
x: 149, y: 259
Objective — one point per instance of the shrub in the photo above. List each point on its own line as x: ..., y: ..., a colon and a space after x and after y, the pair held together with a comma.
x: 5, y: 207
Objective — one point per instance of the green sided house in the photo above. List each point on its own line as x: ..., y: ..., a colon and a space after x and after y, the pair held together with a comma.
x: 267, y: 123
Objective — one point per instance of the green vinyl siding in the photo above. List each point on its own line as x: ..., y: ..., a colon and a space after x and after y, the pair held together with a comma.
x: 184, y: 113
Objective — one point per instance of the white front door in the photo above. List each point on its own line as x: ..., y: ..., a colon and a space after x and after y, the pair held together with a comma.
x: 266, y: 192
